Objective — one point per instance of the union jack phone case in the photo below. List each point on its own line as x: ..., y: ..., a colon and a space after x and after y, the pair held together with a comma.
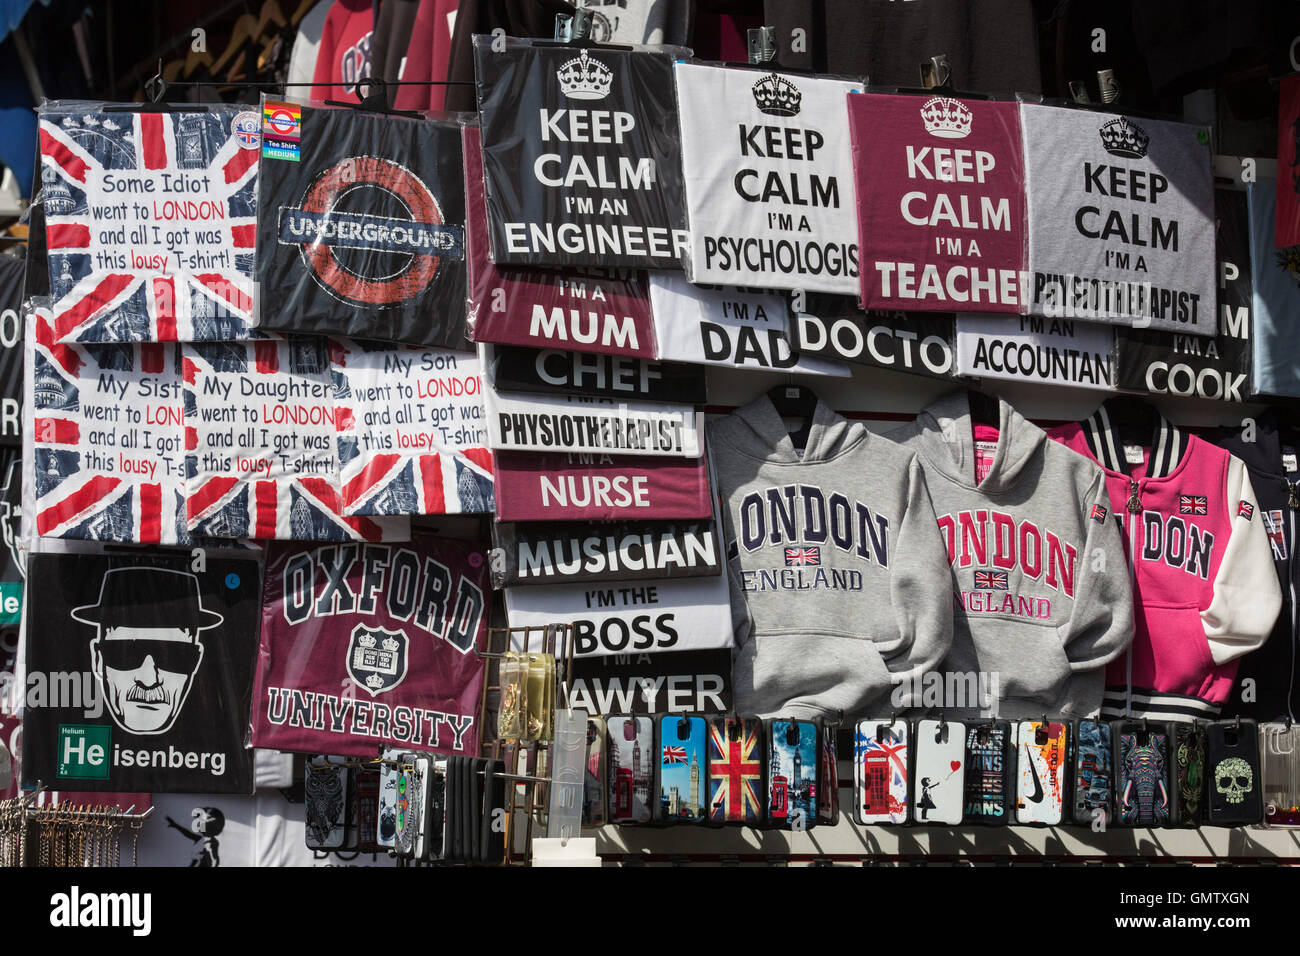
x: 828, y: 794
x: 1187, y: 774
x: 880, y: 771
x: 1232, y: 756
x: 1041, y: 750
x: 1141, y: 773
x: 736, y: 780
x: 594, y: 802
x: 682, y: 779
x: 1093, y: 772
x: 939, y: 775
x: 327, y: 792
x: 1280, y: 771
x: 793, y: 755
x: 990, y: 773
x: 630, y: 768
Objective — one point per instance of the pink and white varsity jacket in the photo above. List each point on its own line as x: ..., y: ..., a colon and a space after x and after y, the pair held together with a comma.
x: 1204, y: 589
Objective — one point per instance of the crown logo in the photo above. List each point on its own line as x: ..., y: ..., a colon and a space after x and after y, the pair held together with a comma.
x: 585, y: 78
x: 946, y: 118
x: 366, y: 640
x: 374, y: 680
x: 1122, y: 138
x: 776, y: 96
x: 391, y: 645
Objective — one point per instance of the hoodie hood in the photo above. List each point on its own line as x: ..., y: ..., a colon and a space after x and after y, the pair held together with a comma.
x: 756, y: 430
x: 944, y: 438
x: 1264, y: 454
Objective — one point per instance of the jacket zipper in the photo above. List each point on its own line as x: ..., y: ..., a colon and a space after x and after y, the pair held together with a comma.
x: 1133, y: 508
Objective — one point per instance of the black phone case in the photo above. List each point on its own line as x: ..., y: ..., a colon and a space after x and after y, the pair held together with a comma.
x: 737, y: 772
x: 478, y: 766
x: 492, y: 836
x: 1142, y: 753
x: 990, y: 784
x: 468, y: 818
x: 1092, y: 772
x: 435, y: 784
x: 1234, y: 785
x: 452, y: 807
x: 1187, y: 774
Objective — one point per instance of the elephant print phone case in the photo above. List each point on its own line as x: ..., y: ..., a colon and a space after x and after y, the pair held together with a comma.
x: 880, y: 771
x: 990, y: 776
x: 630, y: 758
x: 1141, y: 773
x: 939, y: 779
x: 1094, y: 775
x: 794, y: 751
x: 736, y: 791
x: 1232, y: 756
x: 1041, y: 750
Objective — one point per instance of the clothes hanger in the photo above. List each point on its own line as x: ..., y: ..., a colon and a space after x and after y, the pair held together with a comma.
x: 1133, y: 419
x: 794, y: 400
x: 243, y: 31
x: 985, y: 409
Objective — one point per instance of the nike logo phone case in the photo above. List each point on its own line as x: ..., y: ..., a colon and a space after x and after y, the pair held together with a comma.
x: 1141, y: 773
x: 1094, y: 772
x: 881, y: 771
x: 990, y: 773
x: 683, y: 767
x: 793, y: 755
x: 1041, y: 750
x: 939, y: 775
x: 1232, y: 758
x: 1187, y: 772
x: 630, y: 768
x: 737, y: 792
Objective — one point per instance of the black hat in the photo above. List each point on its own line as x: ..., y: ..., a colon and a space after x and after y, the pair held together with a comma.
x: 148, y: 597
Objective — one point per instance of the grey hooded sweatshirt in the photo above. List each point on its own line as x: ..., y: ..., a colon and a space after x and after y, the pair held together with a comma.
x: 839, y: 577
x: 1041, y: 593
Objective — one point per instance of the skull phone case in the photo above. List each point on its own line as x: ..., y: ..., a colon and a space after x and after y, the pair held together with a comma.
x: 880, y: 771
x: 1141, y: 773
x: 1187, y: 774
x: 327, y: 793
x: 990, y: 773
x: 939, y: 777
x: 682, y: 779
x: 1093, y: 772
x: 737, y: 795
x: 1232, y: 759
x: 1041, y: 750
x: 594, y: 800
x: 793, y: 755
x: 828, y: 794
x: 630, y: 758
x: 1279, y: 768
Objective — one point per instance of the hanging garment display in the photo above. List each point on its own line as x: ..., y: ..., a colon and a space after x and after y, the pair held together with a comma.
x: 532, y: 487
x: 150, y: 219
x: 834, y: 327
x: 410, y: 433
x: 587, y: 311
x: 581, y: 154
x: 12, y: 280
x: 670, y: 682
x: 1276, y: 290
x: 1204, y: 588
x: 940, y: 202
x: 1215, y: 367
x: 107, y: 439
x: 826, y: 547
x: 774, y: 208
x: 260, y: 459
x: 629, y: 617
x: 551, y: 372
x: 380, y: 638
x: 1030, y: 349
x: 639, y: 21
x: 1121, y: 220
x: 1268, y: 680
x: 546, y: 552
x: 364, y: 235
x: 1287, y: 230
x: 1023, y: 522
x: 737, y: 328
x: 162, y: 657
x: 343, y: 58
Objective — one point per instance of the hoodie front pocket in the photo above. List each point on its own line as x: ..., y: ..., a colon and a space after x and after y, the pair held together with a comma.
x: 775, y: 673
x: 1019, y: 659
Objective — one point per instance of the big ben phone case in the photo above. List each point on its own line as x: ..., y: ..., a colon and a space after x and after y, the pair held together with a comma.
x: 1093, y: 773
x: 793, y: 755
x: 990, y: 773
x: 737, y: 793
x: 939, y: 777
x: 1232, y: 756
x: 594, y: 799
x: 630, y: 770
x: 682, y: 778
x: 881, y: 771
x: 1141, y: 773
x: 1041, y: 750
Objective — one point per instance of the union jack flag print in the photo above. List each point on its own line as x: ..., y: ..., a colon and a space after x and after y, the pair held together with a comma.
x: 799, y: 557
x: 735, y: 771
x: 419, y: 452
x: 882, y: 778
x: 1098, y: 513
x: 674, y: 755
x: 991, y: 580
x: 182, y: 270
x: 129, y: 490
x: 1245, y: 510
x: 259, y: 443
x: 1192, y: 505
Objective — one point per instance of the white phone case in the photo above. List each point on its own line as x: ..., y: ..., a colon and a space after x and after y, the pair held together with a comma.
x: 1040, y: 774
x: 880, y: 771
x: 939, y: 777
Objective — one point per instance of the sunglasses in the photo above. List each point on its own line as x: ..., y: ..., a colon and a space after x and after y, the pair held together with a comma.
x: 176, y: 656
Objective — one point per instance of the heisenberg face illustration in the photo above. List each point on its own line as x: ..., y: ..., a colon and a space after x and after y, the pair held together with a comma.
x: 145, y: 675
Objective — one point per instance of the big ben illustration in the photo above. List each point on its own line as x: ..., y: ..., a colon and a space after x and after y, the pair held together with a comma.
x: 697, y: 808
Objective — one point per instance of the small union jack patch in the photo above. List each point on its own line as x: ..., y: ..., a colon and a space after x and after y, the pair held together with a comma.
x: 1245, y: 510
x: 674, y: 755
x: 991, y: 580
x: 802, y: 556
x: 1098, y: 514
x: 1192, y: 505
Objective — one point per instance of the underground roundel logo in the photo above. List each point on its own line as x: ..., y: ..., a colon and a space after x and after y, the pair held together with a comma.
x: 370, y: 232
x: 376, y: 658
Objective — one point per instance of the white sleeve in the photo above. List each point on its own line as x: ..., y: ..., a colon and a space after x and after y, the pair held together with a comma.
x: 1247, y: 597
